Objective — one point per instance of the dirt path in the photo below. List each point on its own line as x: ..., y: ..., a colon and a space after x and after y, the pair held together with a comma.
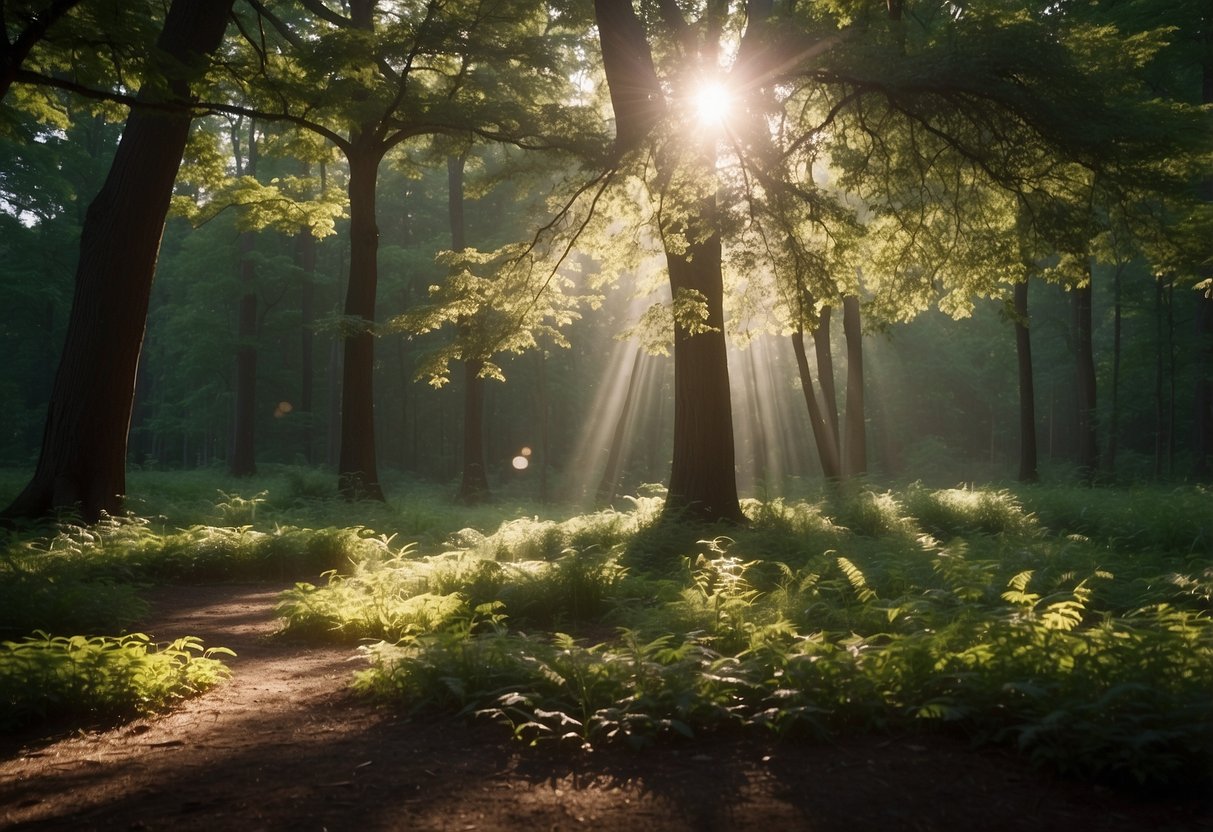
x: 283, y: 745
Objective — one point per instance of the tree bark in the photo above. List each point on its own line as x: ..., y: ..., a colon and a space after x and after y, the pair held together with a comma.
x: 855, y: 443
x: 1027, y: 388
x: 357, y: 470
x: 243, y: 462
x: 1088, y: 446
x: 827, y: 447
x: 305, y: 256
x: 474, y: 482
x: 824, y: 354
x: 1202, y: 465
x: 1114, y: 415
x: 82, y: 462
x: 703, y: 476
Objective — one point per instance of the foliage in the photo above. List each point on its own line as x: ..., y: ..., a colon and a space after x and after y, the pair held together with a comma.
x: 102, y: 677
x: 1094, y: 659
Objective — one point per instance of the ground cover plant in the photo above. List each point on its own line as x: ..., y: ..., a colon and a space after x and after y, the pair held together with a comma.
x: 100, y: 677
x: 1072, y: 624
x: 955, y: 610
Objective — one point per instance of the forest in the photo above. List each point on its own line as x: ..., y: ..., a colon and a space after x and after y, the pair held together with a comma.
x: 799, y: 383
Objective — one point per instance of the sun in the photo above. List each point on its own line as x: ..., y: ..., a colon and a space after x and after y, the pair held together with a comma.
x: 712, y: 102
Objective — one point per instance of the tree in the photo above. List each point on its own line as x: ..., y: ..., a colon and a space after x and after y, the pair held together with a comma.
x: 369, y: 80
x: 83, y: 458
x: 31, y: 24
x: 703, y: 482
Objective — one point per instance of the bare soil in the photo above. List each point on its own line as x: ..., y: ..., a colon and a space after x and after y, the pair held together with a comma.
x: 285, y: 745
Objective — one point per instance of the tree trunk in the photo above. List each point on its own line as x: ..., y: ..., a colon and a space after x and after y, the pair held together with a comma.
x: 357, y: 471
x: 305, y: 256
x: 83, y: 458
x: 474, y: 482
x: 474, y: 485
x: 1114, y: 415
x: 243, y: 462
x: 1088, y: 447
x: 855, y: 443
x: 1027, y: 389
x: 1202, y: 465
x: 703, y: 477
x: 824, y: 354
x: 827, y: 448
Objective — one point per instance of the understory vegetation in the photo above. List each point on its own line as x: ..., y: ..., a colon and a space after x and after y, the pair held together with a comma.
x: 1070, y: 623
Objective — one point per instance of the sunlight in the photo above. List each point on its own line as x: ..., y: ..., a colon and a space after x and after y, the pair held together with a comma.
x: 712, y: 102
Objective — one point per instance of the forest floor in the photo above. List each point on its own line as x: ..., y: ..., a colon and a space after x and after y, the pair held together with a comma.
x: 285, y: 745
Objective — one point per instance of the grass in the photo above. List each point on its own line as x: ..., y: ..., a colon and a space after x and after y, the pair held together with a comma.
x: 1072, y: 624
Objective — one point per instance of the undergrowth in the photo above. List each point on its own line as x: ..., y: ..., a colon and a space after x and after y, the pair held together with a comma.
x: 45, y: 677
x: 1071, y: 624
x: 956, y: 611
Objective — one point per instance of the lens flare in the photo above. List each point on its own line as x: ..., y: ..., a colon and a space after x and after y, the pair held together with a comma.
x: 712, y: 102
x: 520, y: 462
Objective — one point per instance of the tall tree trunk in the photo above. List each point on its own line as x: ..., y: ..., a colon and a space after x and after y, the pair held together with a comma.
x: 1202, y: 464
x: 474, y: 481
x: 703, y: 476
x: 544, y: 438
x: 243, y: 462
x: 823, y: 352
x: 827, y: 447
x: 1027, y: 388
x: 855, y: 443
x: 305, y: 257
x: 474, y: 484
x: 357, y: 470
x: 1088, y: 446
x: 83, y: 457
x: 1114, y: 415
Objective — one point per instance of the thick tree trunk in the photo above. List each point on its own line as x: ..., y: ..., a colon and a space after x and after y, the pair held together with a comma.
x: 1027, y: 389
x: 823, y: 436
x: 83, y: 458
x: 357, y: 470
x: 855, y: 443
x: 1088, y: 446
x: 703, y: 477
